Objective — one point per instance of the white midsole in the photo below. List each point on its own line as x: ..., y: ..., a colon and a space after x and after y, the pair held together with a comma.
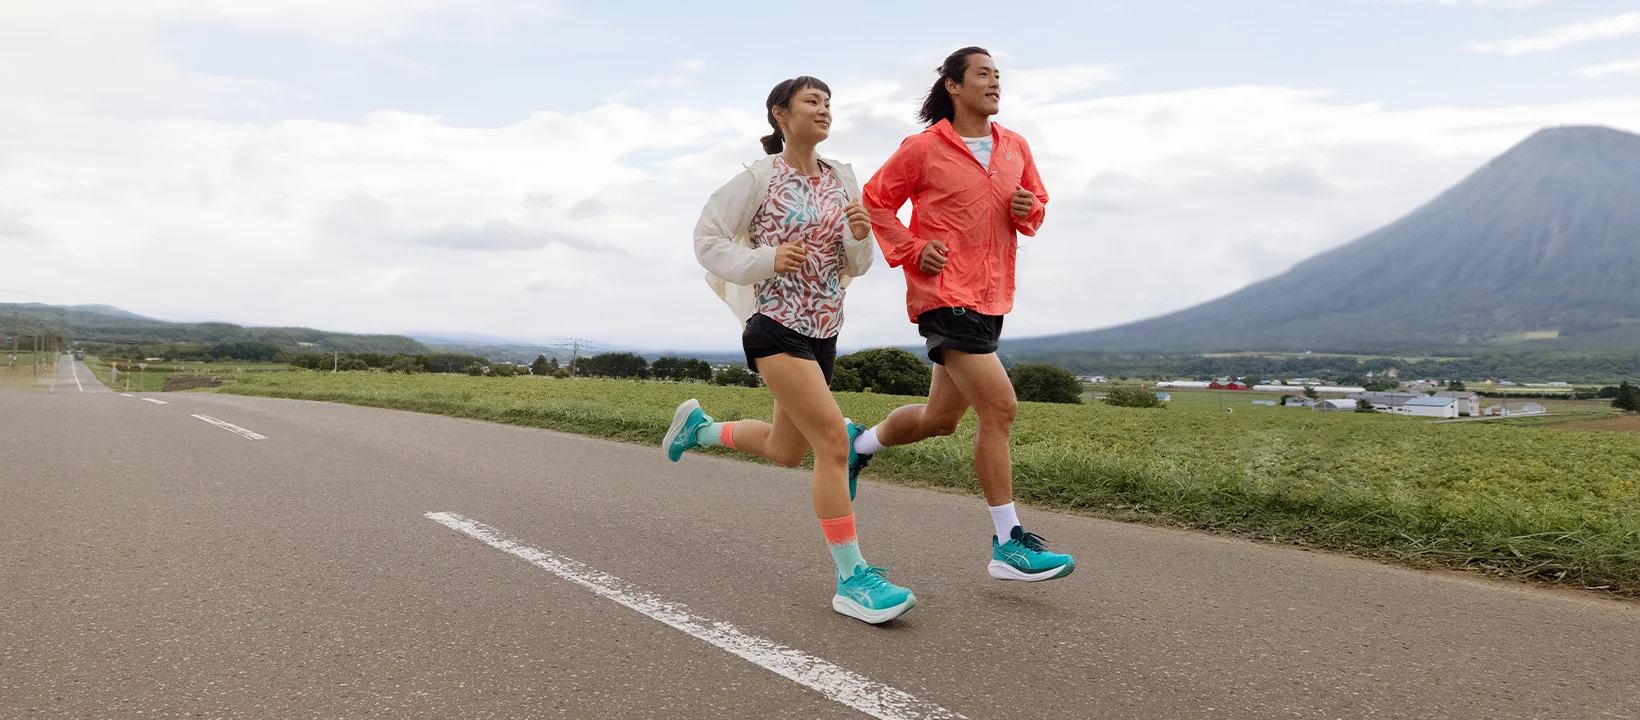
x: 849, y: 607
x: 678, y: 419
x: 1003, y: 571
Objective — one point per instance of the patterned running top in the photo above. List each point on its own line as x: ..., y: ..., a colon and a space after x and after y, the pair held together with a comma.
x: 807, y: 210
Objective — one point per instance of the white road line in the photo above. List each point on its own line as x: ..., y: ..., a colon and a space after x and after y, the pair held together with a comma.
x: 76, y: 372
x: 156, y: 402
x: 230, y: 427
x: 126, y: 395
x: 844, y: 686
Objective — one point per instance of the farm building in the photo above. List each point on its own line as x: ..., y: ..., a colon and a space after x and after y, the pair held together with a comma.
x: 1516, y: 410
x: 1343, y: 405
x: 1387, y: 401
x: 1469, y: 403
x: 1182, y: 385
x: 1297, y: 401
x: 1430, y: 406
x: 1317, y: 388
x: 1164, y: 397
x: 1268, y: 403
x: 1231, y: 385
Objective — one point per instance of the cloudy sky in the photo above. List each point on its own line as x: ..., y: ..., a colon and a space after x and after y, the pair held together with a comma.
x: 532, y: 170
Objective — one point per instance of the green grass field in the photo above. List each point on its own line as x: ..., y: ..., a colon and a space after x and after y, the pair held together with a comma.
x: 1501, y: 498
x: 152, y: 378
x: 22, y: 371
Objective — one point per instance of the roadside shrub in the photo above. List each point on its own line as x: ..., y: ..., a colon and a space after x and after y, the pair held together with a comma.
x: 889, y: 371
x: 1628, y: 398
x: 736, y: 375
x: 675, y: 368
x: 846, y: 379
x: 1040, y: 382
x: 1132, y: 397
x: 407, y: 364
x: 351, y: 365
x: 615, y: 365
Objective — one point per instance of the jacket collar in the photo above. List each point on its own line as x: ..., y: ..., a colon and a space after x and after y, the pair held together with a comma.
x: 767, y: 162
x: 943, y: 128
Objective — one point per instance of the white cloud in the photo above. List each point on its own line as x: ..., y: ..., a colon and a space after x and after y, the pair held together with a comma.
x: 579, y: 223
x: 1563, y: 36
x: 693, y: 66
x: 1048, y: 84
x: 1505, y: 3
x: 1621, y: 67
x: 13, y: 228
x: 343, y: 22
x: 662, y: 81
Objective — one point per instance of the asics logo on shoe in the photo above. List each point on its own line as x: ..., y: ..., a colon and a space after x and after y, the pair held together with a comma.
x: 1016, y: 557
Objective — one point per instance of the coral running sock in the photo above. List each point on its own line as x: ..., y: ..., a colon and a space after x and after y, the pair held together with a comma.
x: 716, y: 434
x: 845, y: 546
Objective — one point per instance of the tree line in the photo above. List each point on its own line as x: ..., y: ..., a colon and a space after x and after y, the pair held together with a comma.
x: 889, y: 371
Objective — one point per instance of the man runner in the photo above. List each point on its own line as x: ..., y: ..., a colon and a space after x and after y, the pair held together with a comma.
x: 973, y: 187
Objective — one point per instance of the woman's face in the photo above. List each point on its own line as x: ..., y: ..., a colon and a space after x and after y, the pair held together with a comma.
x: 808, y: 118
x: 981, y: 90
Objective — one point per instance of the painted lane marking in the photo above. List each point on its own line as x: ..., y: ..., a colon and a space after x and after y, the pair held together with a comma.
x: 126, y: 395
x: 156, y: 402
x: 230, y: 427
x: 835, y: 683
x: 76, y: 372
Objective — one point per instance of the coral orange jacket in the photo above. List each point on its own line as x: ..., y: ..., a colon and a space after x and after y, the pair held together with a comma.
x: 963, y: 204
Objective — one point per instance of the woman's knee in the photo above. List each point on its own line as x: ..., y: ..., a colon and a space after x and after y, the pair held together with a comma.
x: 789, y: 458
x: 831, y: 446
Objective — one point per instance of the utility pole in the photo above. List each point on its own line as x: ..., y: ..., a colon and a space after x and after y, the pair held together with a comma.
x: 336, y: 362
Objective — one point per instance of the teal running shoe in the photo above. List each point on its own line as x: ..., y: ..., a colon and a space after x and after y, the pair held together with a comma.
x: 680, y: 438
x: 867, y: 595
x: 1024, y: 558
x: 856, y: 461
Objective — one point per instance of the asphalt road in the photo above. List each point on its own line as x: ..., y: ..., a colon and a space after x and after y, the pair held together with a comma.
x: 154, y: 564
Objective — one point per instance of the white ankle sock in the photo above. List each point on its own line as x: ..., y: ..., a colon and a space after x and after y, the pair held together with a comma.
x: 1004, y: 518
x: 867, y: 443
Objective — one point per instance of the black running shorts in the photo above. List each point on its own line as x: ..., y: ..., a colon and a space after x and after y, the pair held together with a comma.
x: 764, y: 337
x: 959, y: 329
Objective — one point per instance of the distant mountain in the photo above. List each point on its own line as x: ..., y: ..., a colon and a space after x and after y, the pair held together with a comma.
x: 1539, y: 248
x: 104, y: 324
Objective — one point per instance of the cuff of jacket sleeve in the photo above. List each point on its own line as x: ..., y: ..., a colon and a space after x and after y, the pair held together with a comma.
x: 762, y: 268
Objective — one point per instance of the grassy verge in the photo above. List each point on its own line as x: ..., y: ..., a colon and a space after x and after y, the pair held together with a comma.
x: 152, y: 378
x: 1508, y: 500
x: 22, y: 372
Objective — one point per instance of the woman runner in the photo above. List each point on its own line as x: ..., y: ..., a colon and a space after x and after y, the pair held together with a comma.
x: 779, y: 243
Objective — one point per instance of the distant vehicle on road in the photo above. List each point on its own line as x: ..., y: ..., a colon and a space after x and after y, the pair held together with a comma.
x: 79, y: 354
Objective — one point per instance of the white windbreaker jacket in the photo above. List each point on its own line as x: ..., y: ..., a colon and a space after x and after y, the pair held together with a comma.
x: 723, y: 241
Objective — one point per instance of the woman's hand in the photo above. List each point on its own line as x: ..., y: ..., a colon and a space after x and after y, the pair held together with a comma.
x: 859, y: 220
x: 789, y: 257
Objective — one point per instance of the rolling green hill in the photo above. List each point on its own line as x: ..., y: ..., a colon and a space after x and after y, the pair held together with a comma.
x: 103, y: 324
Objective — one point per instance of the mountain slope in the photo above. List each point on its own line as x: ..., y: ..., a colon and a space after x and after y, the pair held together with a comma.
x: 100, y: 323
x: 1544, y: 239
